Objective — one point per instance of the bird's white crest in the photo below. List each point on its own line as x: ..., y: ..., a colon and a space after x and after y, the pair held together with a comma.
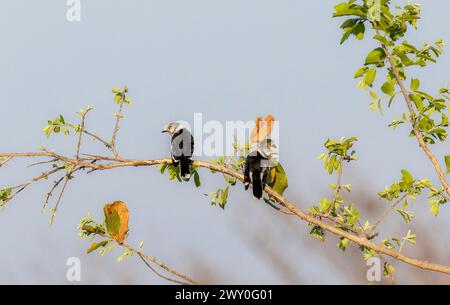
x: 173, y: 127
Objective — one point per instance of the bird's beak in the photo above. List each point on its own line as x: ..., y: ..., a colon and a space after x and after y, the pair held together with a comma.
x: 166, y: 129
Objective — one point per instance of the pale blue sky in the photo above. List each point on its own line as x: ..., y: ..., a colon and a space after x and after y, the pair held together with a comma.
x: 230, y: 60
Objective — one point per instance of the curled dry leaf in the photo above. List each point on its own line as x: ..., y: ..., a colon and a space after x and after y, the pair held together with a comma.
x: 117, y: 216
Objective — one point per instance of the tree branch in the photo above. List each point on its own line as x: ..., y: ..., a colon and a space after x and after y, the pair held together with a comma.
x: 416, y: 130
x: 360, y: 240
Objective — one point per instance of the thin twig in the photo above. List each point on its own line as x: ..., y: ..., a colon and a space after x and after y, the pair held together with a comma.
x: 98, y: 138
x: 117, y: 126
x: 50, y: 193
x: 23, y: 186
x: 145, y: 257
x: 42, y: 163
x: 337, y: 189
x: 66, y: 181
x: 3, y: 162
x: 389, y: 210
x: 80, y: 137
x: 159, y: 274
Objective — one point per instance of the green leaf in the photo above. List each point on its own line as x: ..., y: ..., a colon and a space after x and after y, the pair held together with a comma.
x: 224, y: 197
x: 388, y: 88
x: 447, y: 163
x: 331, y: 164
x: 343, y: 243
x: 359, y: 30
x: 376, y: 57
x: 407, y: 177
x: 415, y: 84
x: 361, y: 71
x: 434, y: 207
x: 345, y: 9
x: 197, y: 179
x: 5, y: 196
x: 370, y: 76
x: 162, y: 168
x: 118, y: 98
x: 381, y: 39
x: 374, y: 95
x: 278, y: 181
x: 96, y: 246
x: 325, y: 204
x: 407, y: 216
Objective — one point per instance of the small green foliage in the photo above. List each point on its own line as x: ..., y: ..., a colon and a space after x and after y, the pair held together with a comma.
x: 389, y: 271
x: 88, y: 228
x: 196, y: 178
x: 219, y: 197
x: 120, y: 96
x: 387, y: 243
x: 408, y: 187
x: 367, y: 253
x: 410, y: 238
x: 317, y: 232
x: 277, y: 180
x: 390, y: 25
x: 5, y: 196
x: 96, y: 246
x: 343, y: 243
x: 325, y: 205
x: 162, y: 168
x: 58, y: 125
x: 353, y: 27
x: 338, y: 151
x: 350, y: 214
x: 434, y: 209
x: 388, y: 88
x: 407, y: 216
x: 124, y: 255
x: 375, y: 57
x: 447, y: 163
x: 346, y: 217
x: 174, y: 173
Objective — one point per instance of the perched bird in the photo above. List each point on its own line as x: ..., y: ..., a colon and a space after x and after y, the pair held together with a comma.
x: 181, y: 147
x: 258, y: 164
x: 261, y: 165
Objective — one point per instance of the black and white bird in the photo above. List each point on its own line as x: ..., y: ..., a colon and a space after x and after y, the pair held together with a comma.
x: 181, y: 147
x: 258, y: 163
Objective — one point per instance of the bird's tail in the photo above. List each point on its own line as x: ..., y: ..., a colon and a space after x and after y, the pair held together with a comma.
x: 185, y: 171
x: 257, y: 184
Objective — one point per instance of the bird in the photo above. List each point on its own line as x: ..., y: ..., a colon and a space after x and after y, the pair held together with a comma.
x: 260, y: 159
x: 181, y: 148
x: 258, y: 164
